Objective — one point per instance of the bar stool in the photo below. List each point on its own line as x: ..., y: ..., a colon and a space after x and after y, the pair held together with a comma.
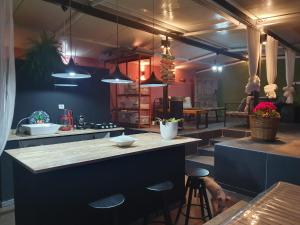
x: 111, y: 204
x: 162, y: 189
x: 195, y: 184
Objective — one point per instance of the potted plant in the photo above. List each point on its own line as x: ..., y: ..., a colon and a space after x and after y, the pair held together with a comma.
x: 42, y: 58
x: 264, y: 122
x: 168, y: 128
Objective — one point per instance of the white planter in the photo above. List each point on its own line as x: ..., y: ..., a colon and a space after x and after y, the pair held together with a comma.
x: 169, y: 130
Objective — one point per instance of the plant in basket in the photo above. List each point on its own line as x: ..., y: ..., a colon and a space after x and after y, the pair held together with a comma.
x: 264, y: 122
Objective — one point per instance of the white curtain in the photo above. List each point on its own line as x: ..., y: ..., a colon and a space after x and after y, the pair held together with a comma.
x: 253, y: 39
x: 271, y: 63
x: 7, y: 71
x: 289, y: 90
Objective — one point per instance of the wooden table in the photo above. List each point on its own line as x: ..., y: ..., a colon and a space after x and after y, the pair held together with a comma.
x: 197, y: 112
x: 280, y: 203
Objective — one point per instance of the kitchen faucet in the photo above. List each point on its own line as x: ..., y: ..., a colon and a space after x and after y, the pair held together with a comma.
x: 19, y: 123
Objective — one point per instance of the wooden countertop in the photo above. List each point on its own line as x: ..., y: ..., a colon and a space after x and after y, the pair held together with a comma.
x: 14, y: 137
x: 51, y: 157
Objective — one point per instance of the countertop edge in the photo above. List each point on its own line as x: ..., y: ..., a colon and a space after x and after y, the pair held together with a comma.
x: 40, y: 171
x: 67, y: 133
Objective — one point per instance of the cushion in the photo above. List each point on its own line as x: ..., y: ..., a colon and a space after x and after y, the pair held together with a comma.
x: 187, y: 103
x: 249, y: 104
x: 237, y: 113
x: 242, y: 105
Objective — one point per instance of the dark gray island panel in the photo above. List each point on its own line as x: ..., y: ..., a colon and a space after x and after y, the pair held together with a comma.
x: 250, y: 167
x: 6, y: 174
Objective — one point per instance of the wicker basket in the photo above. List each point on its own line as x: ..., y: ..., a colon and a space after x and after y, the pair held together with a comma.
x: 263, y: 129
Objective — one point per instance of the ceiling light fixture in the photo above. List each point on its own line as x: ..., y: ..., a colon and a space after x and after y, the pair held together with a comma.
x: 217, y: 68
x: 152, y: 81
x: 71, y: 70
x: 65, y: 85
x: 117, y: 77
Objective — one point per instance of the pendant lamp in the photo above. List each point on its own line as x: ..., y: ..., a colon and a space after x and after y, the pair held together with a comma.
x: 117, y: 77
x: 71, y: 70
x: 152, y: 81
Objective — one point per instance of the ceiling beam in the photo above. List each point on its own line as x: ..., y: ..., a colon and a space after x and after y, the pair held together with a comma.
x: 212, y: 30
x: 245, y: 19
x: 109, y: 16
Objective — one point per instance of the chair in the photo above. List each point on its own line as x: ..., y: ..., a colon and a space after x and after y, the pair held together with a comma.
x: 244, y: 109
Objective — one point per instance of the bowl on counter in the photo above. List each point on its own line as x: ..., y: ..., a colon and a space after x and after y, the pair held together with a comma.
x: 123, y: 140
x: 40, y: 129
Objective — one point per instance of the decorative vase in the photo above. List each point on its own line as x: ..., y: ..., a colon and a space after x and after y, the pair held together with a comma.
x: 169, y: 130
x: 263, y: 129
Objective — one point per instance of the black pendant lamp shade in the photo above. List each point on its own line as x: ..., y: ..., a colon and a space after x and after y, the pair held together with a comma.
x: 117, y: 77
x: 72, y: 71
x: 152, y: 81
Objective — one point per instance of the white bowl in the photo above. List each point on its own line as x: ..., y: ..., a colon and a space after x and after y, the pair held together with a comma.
x: 123, y: 140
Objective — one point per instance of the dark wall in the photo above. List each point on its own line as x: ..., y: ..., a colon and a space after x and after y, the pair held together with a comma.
x: 91, y: 98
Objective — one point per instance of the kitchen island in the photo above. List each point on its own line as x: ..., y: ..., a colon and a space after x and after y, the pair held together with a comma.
x: 23, y: 141
x: 55, y: 183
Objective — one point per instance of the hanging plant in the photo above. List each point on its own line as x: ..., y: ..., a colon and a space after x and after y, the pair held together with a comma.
x: 42, y: 58
x: 167, y: 67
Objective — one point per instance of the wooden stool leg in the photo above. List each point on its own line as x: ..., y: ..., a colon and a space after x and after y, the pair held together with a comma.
x: 201, y: 204
x: 188, y: 207
x: 203, y: 186
x: 115, y: 217
x: 183, y: 200
x: 167, y: 217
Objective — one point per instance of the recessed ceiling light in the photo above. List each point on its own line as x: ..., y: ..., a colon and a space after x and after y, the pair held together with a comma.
x: 66, y: 85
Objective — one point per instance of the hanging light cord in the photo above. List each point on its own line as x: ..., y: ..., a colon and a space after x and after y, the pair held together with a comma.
x: 117, y: 23
x: 70, y: 28
x: 153, y: 44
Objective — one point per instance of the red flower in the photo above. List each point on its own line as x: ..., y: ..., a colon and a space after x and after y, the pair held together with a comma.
x: 265, y: 106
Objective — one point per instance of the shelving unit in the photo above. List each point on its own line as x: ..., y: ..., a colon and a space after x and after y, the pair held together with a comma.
x: 133, y: 103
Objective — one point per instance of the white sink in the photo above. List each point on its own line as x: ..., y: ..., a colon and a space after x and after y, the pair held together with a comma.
x: 40, y: 129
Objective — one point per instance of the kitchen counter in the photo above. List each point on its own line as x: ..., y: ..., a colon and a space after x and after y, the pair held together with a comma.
x: 14, y: 137
x: 60, y: 180
x: 50, y: 157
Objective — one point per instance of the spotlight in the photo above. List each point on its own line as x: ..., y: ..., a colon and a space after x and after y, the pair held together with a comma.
x: 214, y: 68
x: 220, y: 69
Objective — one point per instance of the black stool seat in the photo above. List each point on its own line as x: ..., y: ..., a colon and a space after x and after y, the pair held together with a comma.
x: 164, y: 186
x: 162, y: 189
x: 196, y: 172
x: 108, y: 202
